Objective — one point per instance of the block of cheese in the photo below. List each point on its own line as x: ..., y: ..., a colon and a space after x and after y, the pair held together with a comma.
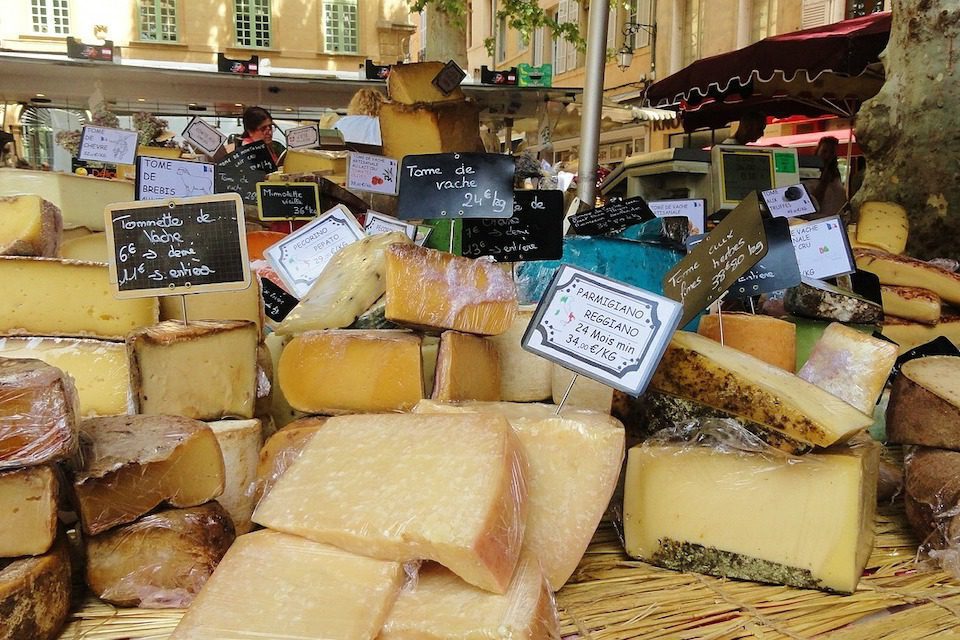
x: 429, y: 352
x: 375, y: 317
x: 281, y: 449
x: 280, y: 410
x: 924, y: 406
x: 245, y: 304
x: 239, y: 442
x: 29, y: 226
x: 205, y: 370
x: 700, y: 369
x: 161, y: 560
x: 468, y: 368
x: 402, y: 487
x: 802, y: 521
x: 909, y: 334
x: 38, y: 413
x: 908, y: 272
x: 350, y: 283
x: 770, y: 339
x: 79, y: 293
x: 444, y: 606
x: 850, y: 365
x: 99, y: 368
x: 349, y: 371
x: 413, y: 83
x: 852, y: 237
x: 81, y: 199
x: 265, y: 385
x: 131, y: 464
x: 89, y: 248
x: 883, y: 225
x: 585, y: 393
x: 310, y: 160
x: 35, y: 594
x: 435, y: 290
x: 274, y: 585
x: 911, y: 303
x: 573, y: 464
x: 810, y: 330
x: 28, y: 511
x: 819, y: 300
x: 429, y: 128
x: 932, y: 496
x: 524, y: 377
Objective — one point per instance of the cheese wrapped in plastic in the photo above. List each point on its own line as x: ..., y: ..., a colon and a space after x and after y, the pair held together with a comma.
x: 28, y: 510
x: 281, y: 450
x: 35, y: 594
x: 932, y: 502
x: 924, y: 407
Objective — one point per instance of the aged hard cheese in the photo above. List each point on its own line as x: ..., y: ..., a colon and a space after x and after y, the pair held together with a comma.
x: 204, y: 370
x: 584, y: 394
x: 822, y: 301
x: 347, y: 371
x: 161, y: 560
x: 402, y: 487
x: 280, y: 410
x: 245, y: 304
x: 436, y: 290
x: 932, y: 495
x: 441, y: 605
x: 46, y: 296
x: 29, y: 226
x: 413, y: 83
x: 89, y: 248
x: 909, y: 272
x: 273, y: 585
x: 28, y: 511
x: 909, y: 334
x: 772, y: 340
x: 468, y: 368
x: 804, y: 521
x: 573, y: 463
x: 99, y: 369
x: 131, y: 464
x: 429, y: 128
x: 524, y: 377
x: 700, y: 369
x: 309, y: 160
x: 883, y: 225
x: 239, y: 442
x: 280, y: 451
x: 911, y: 303
x: 429, y: 352
x: 35, y: 594
x: 924, y: 403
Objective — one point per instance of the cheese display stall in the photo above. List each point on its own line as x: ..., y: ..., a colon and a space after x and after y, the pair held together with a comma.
x: 426, y: 444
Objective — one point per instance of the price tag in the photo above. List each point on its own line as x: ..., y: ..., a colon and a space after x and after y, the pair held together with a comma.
x: 601, y: 328
x: 307, y: 137
x: 788, y: 202
x: 612, y: 218
x: 240, y: 171
x: 823, y: 249
x: 277, y: 303
x: 456, y: 185
x: 534, y: 232
x: 288, y: 200
x: 102, y: 144
x: 159, y: 178
x: 367, y: 172
x: 376, y: 222
x: 693, y: 210
x: 204, y: 136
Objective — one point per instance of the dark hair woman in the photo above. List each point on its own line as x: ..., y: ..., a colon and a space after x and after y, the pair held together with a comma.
x: 258, y: 126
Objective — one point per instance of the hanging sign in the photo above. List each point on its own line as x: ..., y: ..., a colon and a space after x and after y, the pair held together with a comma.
x: 204, y: 136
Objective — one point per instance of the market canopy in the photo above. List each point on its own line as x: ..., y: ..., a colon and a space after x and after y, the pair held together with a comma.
x: 825, y: 70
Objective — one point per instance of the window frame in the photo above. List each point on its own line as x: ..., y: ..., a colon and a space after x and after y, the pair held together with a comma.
x: 251, y: 13
x: 158, y: 28
x: 47, y: 19
x: 341, y: 33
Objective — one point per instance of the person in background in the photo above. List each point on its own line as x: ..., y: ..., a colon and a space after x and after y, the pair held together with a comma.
x: 750, y: 129
x: 828, y: 190
x: 257, y: 127
x: 361, y: 125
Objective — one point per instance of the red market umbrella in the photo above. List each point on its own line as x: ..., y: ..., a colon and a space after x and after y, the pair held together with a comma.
x: 824, y: 70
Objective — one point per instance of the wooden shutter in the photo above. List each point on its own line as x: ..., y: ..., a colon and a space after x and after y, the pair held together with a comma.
x: 814, y: 13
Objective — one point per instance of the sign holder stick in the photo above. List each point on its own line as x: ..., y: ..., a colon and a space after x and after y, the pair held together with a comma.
x: 453, y: 233
x: 183, y: 305
x: 290, y: 222
x: 753, y: 309
x: 567, y: 393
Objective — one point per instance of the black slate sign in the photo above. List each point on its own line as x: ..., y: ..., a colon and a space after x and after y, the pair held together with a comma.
x: 240, y: 171
x: 535, y: 232
x: 277, y: 303
x: 456, y: 185
x: 177, y: 246
x: 612, y: 218
x: 288, y: 200
x: 777, y: 270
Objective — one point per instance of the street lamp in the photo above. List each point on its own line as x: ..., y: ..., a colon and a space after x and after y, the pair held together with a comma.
x: 625, y: 54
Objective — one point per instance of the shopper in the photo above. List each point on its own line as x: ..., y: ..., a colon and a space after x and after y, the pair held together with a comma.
x: 361, y: 125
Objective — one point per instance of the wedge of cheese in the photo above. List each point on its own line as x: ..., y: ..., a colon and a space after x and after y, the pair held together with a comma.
x: 402, y: 487
x: 819, y: 300
x: 924, y: 406
x: 911, y: 303
x: 444, y: 606
x: 339, y: 596
x: 245, y: 304
x: 573, y: 463
x: 431, y: 289
x: 413, y: 83
x: 88, y: 248
x: 280, y: 451
x: 524, y: 377
x: 700, y: 369
x: 311, y: 160
x: 81, y: 199
x: 850, y: 365
x: 280, y: 410
x: 584, y: 394
x: 909, y: 334
x: 160, y: 561
x: 770, y: 339
x: 468, y: 368
x: 28, y: 511
x: 805, y: 522
x: 35, y: 594
x: 429, y: 128
x: 883, y: 225
x: 38, y: 413
x: 909, y: 272
x: 29, y: 226
x: 206, y: 370
x: 346, y: 371
x: 131, y: 464
x: 84, y: 300
x: 239, y: 442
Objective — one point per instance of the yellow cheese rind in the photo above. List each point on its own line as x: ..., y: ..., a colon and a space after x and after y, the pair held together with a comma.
x: 273, y: 585
x: 909, y: 334
x: 81, y: 294
x: 35, y: 594
x: 700, y: 369
x: 244, y: 304
x: 280, y: 410
x: 524, y: 377
x: 239, y: 442
x: 81, y: 199
x: 29, y: 226
x: 28, y: 511
x: 770, y: 339
x: 468, y: 368
x: 402, y: 487
x: 883, y: 225
x: 413, y: 83
x: 804, y: 521
x: 429, y: 128
x: 911, y: 303
x: 310, y: 160
x: 909, y: 272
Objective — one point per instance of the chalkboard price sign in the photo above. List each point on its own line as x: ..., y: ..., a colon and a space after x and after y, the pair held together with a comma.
x: 288, y: 200
x: 177, y: 246
x: 534, y: 232
x: 456, y: 185
x: 277, y: 303
x: 240, y: 171
x: 612, y: 218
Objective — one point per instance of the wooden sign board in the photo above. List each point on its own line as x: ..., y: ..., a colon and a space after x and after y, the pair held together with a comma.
x: 177, y: 246
x: 288, y: 200
x: 612, y: 218
x: 161, y: 178
x: 240, y: 171
x: 606, y: 330
x: 822, y: 248
x: 203, y: 136
x: 534, y: 232
x: 456, y: 185
x: 103, y: 144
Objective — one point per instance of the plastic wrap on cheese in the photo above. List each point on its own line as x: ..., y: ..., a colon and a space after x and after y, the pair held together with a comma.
x: 932, y: 503
x: 161, y: 560
x: 38, y: 413
x: 281, y: 450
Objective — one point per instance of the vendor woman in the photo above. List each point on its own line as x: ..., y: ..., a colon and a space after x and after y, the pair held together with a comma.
x: 258, y: 126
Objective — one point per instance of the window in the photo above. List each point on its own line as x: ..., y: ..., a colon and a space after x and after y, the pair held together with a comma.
x: 158, y: 20
x: 50, y: 16
x: 815, y: 13
x: 858, y: 8
x: 565, y: 53
x: 340, y: 31
x: 253, y: 23
x: 763, y: 19
x: 639, y: 12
